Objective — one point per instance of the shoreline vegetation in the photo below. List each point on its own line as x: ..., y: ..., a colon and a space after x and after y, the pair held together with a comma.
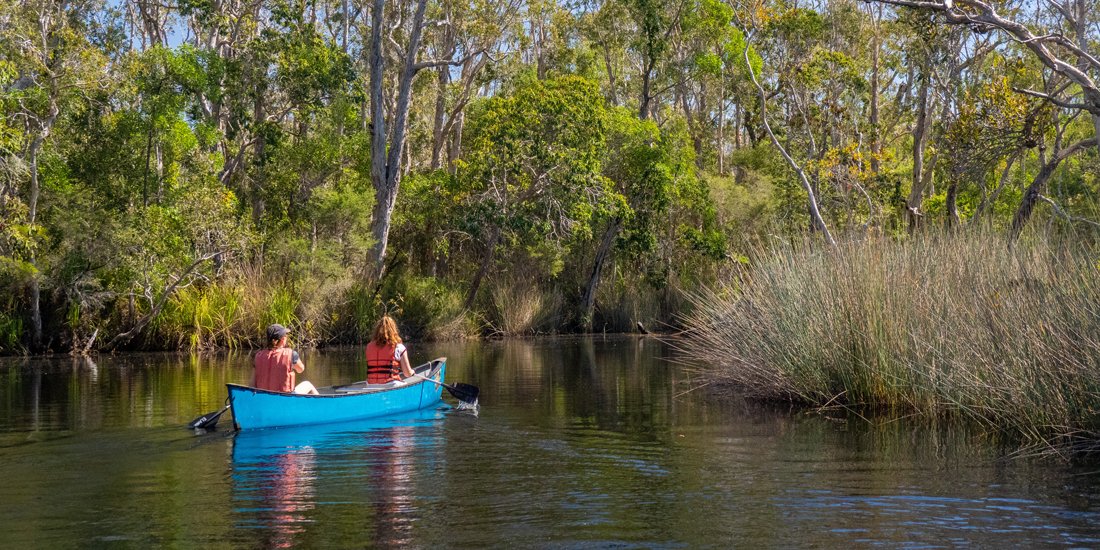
x: 943, y: 326
x: 179, y: 175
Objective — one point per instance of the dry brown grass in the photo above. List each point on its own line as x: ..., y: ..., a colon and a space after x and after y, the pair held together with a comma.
x: 521, y: 308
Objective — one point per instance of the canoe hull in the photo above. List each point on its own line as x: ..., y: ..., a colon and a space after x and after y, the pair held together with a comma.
x: 256, y: 409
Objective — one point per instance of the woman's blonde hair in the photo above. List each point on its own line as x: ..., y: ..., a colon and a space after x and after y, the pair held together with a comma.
x: 385, y: 332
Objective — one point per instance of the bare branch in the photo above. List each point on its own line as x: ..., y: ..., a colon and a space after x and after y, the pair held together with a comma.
x: 1062, y: 10
x: 417, y: 67
x: 815, y: 213
x: 159, y: 304
x: 1050, y: 98
x: 1060, y: 211
x: 980, y: 13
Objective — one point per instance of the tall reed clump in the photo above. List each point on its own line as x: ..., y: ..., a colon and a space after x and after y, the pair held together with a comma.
x: 968, y: 326
x: 203, y: 318
x: 353, y: 312
x: 430, y: 309
x: 425, y: 308
x: 519, y: 307
x: 278, y: 305
x: 11, y: 330
x: 231, y: 313
x: 625, y: 304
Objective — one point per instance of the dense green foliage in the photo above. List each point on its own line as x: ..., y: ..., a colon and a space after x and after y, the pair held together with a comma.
x: 180, y: 175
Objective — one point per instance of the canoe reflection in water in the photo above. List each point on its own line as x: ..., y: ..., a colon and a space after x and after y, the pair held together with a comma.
x: 392, y: 461
x: 359, y: 474
x: 288, y: 498
x: 274, y: 488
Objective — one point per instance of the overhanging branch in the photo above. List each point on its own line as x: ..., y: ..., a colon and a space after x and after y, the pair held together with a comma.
x: 1051, y: 98
x: 978, y: 12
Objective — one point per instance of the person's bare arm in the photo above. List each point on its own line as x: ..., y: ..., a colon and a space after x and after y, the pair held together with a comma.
x: 405, y: 367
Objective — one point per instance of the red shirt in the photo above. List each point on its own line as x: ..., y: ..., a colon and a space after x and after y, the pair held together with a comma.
x: 273, y: 370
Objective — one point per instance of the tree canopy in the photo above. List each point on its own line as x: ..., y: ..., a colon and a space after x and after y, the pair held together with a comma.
x: 181, y: 174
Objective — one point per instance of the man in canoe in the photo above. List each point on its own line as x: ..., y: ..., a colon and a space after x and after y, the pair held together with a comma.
x: 387, y: 356
x: 275, y: 367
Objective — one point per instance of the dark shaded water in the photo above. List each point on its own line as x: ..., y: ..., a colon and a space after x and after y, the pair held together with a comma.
x: 579, y: 443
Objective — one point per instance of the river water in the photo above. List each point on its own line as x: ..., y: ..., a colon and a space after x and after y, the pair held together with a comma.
x: 578, y: 442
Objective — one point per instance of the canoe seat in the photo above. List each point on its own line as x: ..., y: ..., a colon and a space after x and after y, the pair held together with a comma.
x: 362, y: 387
x: 427, y: 369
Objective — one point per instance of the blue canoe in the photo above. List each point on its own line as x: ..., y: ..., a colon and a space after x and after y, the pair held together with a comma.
x: 255, y: 408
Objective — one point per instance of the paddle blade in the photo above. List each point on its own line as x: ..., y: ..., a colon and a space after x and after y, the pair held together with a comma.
x: 208, y: 421
x: 467, y: 393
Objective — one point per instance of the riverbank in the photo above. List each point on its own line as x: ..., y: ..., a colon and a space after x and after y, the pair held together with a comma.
x: 231, y: 313
x: 939, y: 326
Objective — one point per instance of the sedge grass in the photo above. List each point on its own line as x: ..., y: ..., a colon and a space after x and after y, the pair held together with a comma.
x: 520, y: 308
x: 11, y: 330
x: 230, y: 314
x: 204, y: 319
x: 964, y: 325
x: 430, y: 309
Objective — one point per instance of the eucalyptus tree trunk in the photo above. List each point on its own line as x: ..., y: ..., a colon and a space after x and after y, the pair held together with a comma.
x: 45, y: 127
x: 443, y: 79
x: 612, y: 95
x: 647, y: 75
x: 387, y: 149
x: 953, y: 219
x: 603, y: 252
x: 693, y: 125
x: 454, y: 143
x: 346, y: 24
x: 722, y: 132
x: 456, y: 117
x: 876, y: 139
x: 439, y: 137
x: 1038, y: 185
x: 154, y: 16
x: 988, y: 200
x: 1080, y: 21
x: 447, y: 123
x: 920, y: 142
x: 538, y: 41
x: 483, y: 269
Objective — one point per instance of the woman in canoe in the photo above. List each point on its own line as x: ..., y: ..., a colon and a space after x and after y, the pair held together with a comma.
x: 387, y: 357
x: 276, y: 366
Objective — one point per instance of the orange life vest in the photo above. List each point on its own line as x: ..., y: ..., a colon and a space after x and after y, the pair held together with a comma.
x: 273, y: 370
x: 382, y: 367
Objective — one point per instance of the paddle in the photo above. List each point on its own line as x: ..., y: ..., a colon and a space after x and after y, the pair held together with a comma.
x: 466, y: 393
x: 208, y: 421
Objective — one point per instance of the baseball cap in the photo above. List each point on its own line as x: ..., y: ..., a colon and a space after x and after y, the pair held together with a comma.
x: 276, y: 331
